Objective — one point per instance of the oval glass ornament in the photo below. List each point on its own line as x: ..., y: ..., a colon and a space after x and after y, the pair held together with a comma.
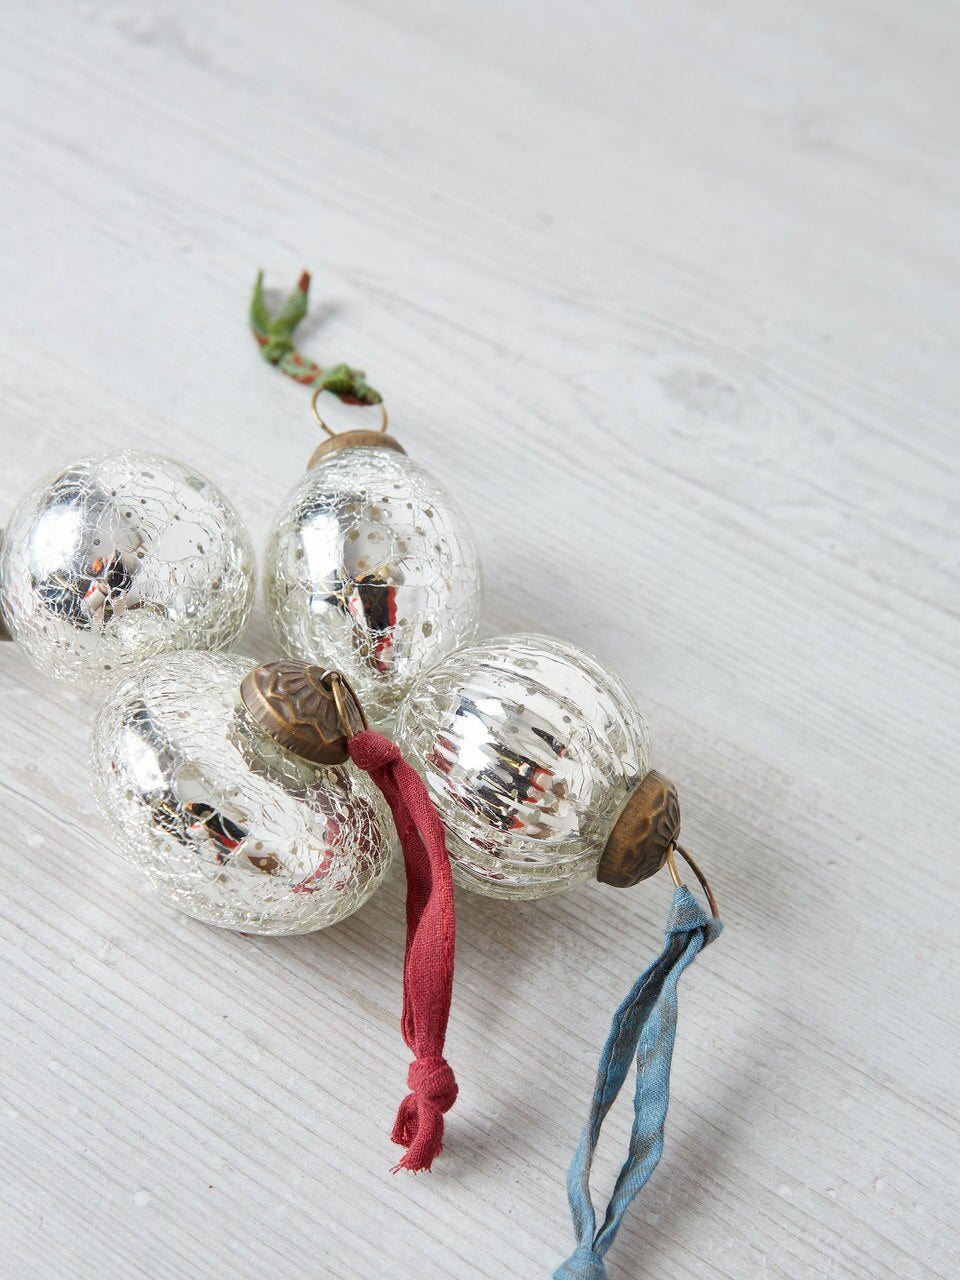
x: 119, y: 556
x: 224, y: 823
x: 194, y: 773
x: 371, y: 565
x: 531, y: 750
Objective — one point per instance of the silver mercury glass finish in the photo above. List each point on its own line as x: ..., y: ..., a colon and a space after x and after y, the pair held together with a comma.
x: 119, y: 556
x: 371, y: 568
x: 224, y: 823
x: 529, y: 748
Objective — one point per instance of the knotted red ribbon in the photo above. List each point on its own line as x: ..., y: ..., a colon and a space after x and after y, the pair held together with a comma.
x: 428, y: 960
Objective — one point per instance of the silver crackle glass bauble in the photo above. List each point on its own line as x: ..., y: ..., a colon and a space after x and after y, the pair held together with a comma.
x: 370, y: 567
x: 119, y: 556
x: 224, y: 823
x: 530, y: 750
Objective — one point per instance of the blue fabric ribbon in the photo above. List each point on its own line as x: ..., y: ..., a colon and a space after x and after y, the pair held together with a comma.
x: 645, y: 1025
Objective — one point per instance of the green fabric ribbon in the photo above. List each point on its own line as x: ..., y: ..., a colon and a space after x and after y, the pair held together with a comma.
x: 274, y: 335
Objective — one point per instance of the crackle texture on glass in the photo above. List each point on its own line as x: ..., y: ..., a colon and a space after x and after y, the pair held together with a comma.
x: 223, y: 822
x: 529, y: 748
x: 371, y: 568
x: 119, y: 556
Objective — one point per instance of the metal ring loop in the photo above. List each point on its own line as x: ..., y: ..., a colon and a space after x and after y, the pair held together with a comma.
x: 330, y: 432
x: 704, y: 883
x: 337, y: 683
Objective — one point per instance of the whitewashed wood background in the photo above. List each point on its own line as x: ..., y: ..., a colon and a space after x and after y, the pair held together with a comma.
x: 668, y: 295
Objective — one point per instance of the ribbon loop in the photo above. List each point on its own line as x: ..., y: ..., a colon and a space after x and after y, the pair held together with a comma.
x: 645, y: 1025
x: 583, y: 1264
x: 371, y: 751
x: 274, y: 335
x: 431, y: 938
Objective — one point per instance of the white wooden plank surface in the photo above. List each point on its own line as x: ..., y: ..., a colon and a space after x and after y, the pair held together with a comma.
x: 668, y: 295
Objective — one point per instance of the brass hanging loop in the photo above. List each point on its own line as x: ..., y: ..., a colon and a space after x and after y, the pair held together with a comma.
x: 337, y: 440
x: 346, y: 710
x: 704, y: 883
x: 328, y: 429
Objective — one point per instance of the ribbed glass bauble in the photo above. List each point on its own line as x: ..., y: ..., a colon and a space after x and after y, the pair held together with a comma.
x: 223, y: 822
x: 120, y: 556
x: 529, y: 748
x: 371, y: 568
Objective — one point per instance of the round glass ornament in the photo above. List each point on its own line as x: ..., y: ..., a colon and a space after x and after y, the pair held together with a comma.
x: 119, y: 556
x: 226, y: 824
x: 371, y: 567
x: 531, y: 751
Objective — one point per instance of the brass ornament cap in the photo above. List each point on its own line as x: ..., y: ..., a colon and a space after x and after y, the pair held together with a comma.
x: 353, y: 440
x: 641, y: 839
x: 307, y: 709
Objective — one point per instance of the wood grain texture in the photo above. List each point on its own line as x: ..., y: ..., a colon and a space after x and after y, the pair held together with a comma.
x: 668, y: 295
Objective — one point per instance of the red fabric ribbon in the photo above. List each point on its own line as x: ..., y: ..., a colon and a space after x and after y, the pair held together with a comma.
x: 428, y: 961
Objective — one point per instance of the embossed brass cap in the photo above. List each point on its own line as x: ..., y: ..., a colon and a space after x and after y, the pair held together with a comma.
x: 307, y: 709
x: 643, y: 835
x: 353, y: 440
